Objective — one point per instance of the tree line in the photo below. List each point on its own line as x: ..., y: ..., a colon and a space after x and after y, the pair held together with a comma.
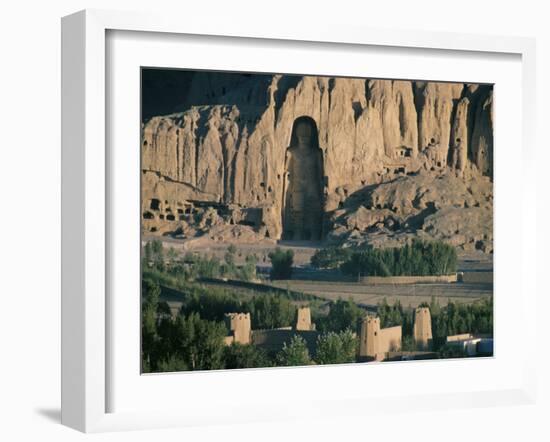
x: 194, y: 339
x: 190, y: 266
x: 267, y: 310
x: 418, y: 258
x: 452, y: 319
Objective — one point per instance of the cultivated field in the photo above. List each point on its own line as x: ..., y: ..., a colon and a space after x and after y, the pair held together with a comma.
x: 408, y: 294
x: 330, y: 286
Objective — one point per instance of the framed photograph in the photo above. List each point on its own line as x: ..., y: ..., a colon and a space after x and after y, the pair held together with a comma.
x: 270, y: 223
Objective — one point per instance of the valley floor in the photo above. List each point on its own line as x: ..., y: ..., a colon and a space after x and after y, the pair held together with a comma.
x: 409, y: 295
x: 330, y: 285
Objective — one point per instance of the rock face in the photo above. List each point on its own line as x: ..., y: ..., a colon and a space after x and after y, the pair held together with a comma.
x: 439, y: 204
x: 231, y: 155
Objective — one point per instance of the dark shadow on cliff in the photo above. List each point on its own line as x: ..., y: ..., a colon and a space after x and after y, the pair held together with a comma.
x: 286, y: 83
x: 362, y: 196
x: 415, y: 222
x: 162, y: 90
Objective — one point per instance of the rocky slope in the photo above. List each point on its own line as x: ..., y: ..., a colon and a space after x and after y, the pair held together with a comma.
x: 432, y: 205
x: 225, y: 155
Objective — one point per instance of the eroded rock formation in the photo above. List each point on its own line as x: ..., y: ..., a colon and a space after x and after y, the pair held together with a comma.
x: 223, y: 161
x: 437, y: 204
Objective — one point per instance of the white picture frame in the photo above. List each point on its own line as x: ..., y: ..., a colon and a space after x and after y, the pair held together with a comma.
x: 87, y: 355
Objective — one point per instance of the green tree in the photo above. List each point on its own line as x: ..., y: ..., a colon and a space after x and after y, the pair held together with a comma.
x: 247, y: 272
x: 230, y: 256
x: 172, y: 364
x: 343, y: 314
x: 151, y: 292
x: 251, y: 259
x: 451, y: 351
x: 210, y: 304
x: 420, y: 258
x: 271, y: 311
x: 336, y: 348
x: 296, y: 353
x: 172, y: 255
x: 245, y: 356
x: 207, y: 267
x: 281, y: 263
x: 149, y: 336
x: 330, y: 257
x: 163, y: 310
x: 148, y: 254
x: 200, y: 343
x: 367, y: 263
x: 149, y: 317
x: 157, y: 253
x: 393, y: 315
x: 407, y: 343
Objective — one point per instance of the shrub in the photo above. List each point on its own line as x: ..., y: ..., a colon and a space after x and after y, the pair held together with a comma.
x: 343, y: 314
x: 247, y: 272
x: 330, y: 258
x: 295, y: 353
x: 158, y: 254
x: 229, y: 256
x: 281, y: 263
x: 245, y: 356
x: 336, y: 348
x: 171, y: 364
x: 154, y: 254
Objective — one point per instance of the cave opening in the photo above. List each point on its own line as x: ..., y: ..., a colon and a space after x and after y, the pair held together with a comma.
x: 303, y: 184
x: 155, y: 204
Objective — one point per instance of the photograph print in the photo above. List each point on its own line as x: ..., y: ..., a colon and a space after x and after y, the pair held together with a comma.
x: 302, y: 220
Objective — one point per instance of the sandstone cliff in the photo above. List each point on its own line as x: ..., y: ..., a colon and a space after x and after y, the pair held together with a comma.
x: 430, y: 204
x: 227, y: 150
